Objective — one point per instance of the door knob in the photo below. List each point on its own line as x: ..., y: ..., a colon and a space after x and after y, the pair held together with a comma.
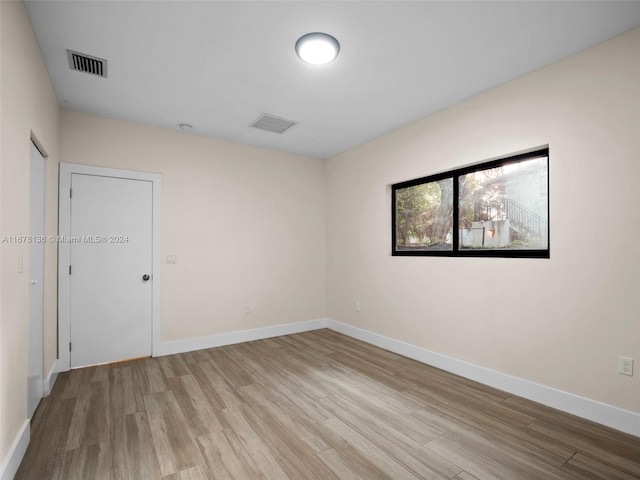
x: 145, y: 277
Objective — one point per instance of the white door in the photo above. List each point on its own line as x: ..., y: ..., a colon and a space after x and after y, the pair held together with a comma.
x: 111, y: 274
x: 36, y: 280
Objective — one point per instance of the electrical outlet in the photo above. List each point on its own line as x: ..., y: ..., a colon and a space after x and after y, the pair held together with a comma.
x: 356, y: 306
x: 625, y: 366
x: 172, y: 258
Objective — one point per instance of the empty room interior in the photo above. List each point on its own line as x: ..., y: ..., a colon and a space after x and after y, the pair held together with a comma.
x: 319, y: 240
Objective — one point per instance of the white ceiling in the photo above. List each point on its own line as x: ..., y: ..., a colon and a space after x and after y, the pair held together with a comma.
x: 219, y: 65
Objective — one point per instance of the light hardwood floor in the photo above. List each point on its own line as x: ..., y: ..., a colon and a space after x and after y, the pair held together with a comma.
x: 316, y: 405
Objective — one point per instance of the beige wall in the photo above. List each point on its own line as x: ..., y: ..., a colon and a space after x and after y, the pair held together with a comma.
x: 561, y: 322
x: 248, y: 225
x: 28, y: 108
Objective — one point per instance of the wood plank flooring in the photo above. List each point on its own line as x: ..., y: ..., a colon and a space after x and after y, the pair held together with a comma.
x: 315, y: 405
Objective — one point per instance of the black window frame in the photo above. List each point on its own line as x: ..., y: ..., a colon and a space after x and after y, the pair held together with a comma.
x: 454, y: 175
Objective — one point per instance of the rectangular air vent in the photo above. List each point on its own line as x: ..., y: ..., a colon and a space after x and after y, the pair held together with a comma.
x: 272, y: 123
x: 86, y: 63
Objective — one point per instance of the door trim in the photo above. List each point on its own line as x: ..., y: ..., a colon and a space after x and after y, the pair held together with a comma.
x: 37, y: 221
x: 64, y: 253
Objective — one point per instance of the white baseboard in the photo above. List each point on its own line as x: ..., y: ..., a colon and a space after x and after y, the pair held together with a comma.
x: 51, y: 378
x: 240, y: 336
x: 12, y: 461
x: 623, y: 420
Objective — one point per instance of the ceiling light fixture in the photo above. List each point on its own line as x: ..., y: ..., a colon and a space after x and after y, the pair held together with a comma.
x: 317, y: 48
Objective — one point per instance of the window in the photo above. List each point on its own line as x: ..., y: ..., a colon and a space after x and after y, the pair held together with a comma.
x: 494, y: 209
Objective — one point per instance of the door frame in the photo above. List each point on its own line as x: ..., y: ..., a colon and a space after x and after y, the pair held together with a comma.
x: 37, y: 166
x: 64, y: 253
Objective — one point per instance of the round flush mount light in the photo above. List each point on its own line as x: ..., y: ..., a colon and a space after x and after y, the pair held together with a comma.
x: 317, y: 48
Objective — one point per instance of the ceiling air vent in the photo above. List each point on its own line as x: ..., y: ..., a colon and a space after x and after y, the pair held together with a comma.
x: 86, y: 63
x: 272, y: 123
